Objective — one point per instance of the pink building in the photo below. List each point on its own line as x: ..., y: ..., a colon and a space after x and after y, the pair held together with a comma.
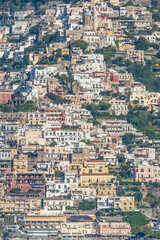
x: 54, y: 87
x: 114, y: 229
x: 145, y: 173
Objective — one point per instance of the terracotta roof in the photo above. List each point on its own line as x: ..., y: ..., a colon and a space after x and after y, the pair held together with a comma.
x: 96, y: 174
x: 53, y: 198
x: 95, y: 161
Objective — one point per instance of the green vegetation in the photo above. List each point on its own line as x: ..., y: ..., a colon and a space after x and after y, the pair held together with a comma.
x: 17, y: 5
x: 155, y: 235
x: 12, y: 107
x: 100, y: 111
x: 125, y: 170
x: 59, y: 174
x: 34, y: 30
x: 156, y: 16
x: 56, y: 98
x: 138, y: 196
x: 35, y: 47
x: 121, y: 158
x: 12, y: 143
x: 5, y: 61
x: 51, y: 38
x: 67, y: 79
x: 86, y: 205
x: 53, y: 144
x: 155, y: 3
x: 143, y: 121
x: 15, y: 190
x: 145, y: 75
x: 101, y: 107
x: 25, y: 108
x: 107, y: 52
x: 86, y: 141
x: 31, y: 154
x: 128, y: 3
x: 141, y: 231
x: 79, y: 43
x: 105, y: 93
x: 48, y: 60
x: 136, y: 220
x: 141, y: 44
x: 128, y: 138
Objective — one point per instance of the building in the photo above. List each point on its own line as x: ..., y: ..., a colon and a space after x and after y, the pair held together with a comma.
x: 145, y: 98
x: 24, y: 205
x: 46, y: 115
x: 25, y: 182
x: 119, y: 106
x: 107, y: 189
x: 95, y: 172
x: 44, y: 222
x: 13, y: 117
x: 5, y: 96
x: 118, y: 229
x: 145, y: 173
x: 78, y: 226
x: 135, y: 56
x: 126, y: 204
x: 20, y: 164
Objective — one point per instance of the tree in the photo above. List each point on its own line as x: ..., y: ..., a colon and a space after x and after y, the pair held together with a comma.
x: 143, y: 74
x: 56, y: 98
x: 156, y: 16
x: 141, y: 44
x: 136, y: 219
x: 59, y: 174
x: 142, y: 120
x: 129, y: 3
x: 15, y: 190
x: 158, y: 55
x: 108, y: 52
x: 86, y: 205
x: 128, y: 138
x: 26, y: 59
x: 121, y: 158
x: 34, y: 30
x: 79, y: 43
x: 66, y: 79
x: 146, y: 230
x: 105, y: 93
x: 43, y: 60
x: 12, y: 143
x: 53, y: 144
x: 138, y: 197
x: 155, y: 3
x: 51, y: 38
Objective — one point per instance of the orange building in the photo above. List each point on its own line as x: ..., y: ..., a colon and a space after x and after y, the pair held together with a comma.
x: 5, y: 96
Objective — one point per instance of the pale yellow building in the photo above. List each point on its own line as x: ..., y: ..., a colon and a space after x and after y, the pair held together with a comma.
x: 95, y: 172
x: 107, y: 189
x: 114, y: 2
x: 44, y: 222
x: 94, y: 167
x: 146, y: 98
x: 135, y: 55
x: 20, y: 205
x: 21, y: 164
x: 54, y: 46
